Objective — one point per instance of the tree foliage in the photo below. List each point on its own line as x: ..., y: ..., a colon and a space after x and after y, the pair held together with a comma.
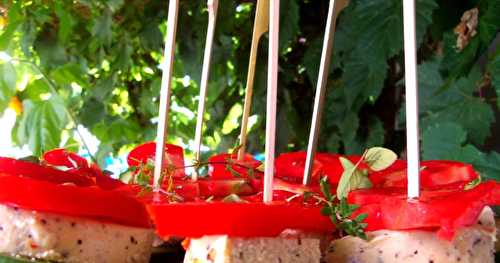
x: 96, y: 64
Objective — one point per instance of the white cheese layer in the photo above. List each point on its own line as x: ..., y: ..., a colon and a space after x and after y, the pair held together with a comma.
x: 473, y: 244
x: 70, y: 239
x: 223, y: 249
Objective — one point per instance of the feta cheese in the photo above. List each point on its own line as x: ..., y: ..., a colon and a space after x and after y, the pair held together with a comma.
x: 223, y: 249
x: 473, y: 244
x: 70, y: 239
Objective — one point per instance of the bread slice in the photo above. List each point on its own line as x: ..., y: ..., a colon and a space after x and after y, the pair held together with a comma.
x: 473, y: 244
x: 224, y: 249
x: 70, y: 239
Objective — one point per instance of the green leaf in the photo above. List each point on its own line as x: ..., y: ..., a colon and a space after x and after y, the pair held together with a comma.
x: 41, y: 124
x: 489, y: 22
x: 488, y: 165
x: 363, y: 79
x: 494, y: 71
x: 36, y: 88
x: 66, y: 21
x: 351, y: 179
x: 69, y: 73
x: 457, y: 103
x: 379, y: 158
x: 7, y: 84
x: 289, y: 26
x: 15, y: 18
x: 377, y: 25
x: 102, y: 28
x: 92, y: 112
x: 442, y: 139
x: 376, y: 133
x: 474, y: 115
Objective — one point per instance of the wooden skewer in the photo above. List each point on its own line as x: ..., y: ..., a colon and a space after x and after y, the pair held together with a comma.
x: 212, y: 18
x: 166, y: 88
x: 260, y: 26
x: 272, y: 88
x: 333, y: 10
x: 411, y: 87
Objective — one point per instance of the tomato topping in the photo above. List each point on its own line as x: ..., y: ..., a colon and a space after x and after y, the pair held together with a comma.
x: 146, y: 152
x: 290, y: 166
x: 434, y: 174
x: 225, y: 187
x: 31, y: 186
x: 35, y: 171
x: 187, y: 189
x: 195, y: 219
x: 79, y: 166
x: 88, y: 202
x: 218, y: 166
x: 444, y: 210
x: 61, y: 157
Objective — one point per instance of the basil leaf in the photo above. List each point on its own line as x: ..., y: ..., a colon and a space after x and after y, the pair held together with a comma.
x: 378, y: 158
x: 351, y: 179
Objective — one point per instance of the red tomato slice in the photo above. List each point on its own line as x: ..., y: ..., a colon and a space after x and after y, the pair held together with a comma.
x: 79, y: 166
x: 290, y: 166
x: 35, y: 171
x: 187, y: 189
x: 225, y: 187
x: 197, y: 219
x: 144, y: 152
x: 88, y: 202
x: 217, y: 166
x: 434, y: 174
x: 444, y: 210
x: 61, y: 157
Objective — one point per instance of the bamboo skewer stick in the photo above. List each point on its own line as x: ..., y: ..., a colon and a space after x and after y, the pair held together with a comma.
x: 333, y: 10
x: 166, y: 88
x: 261, y: 25
x: 411, y: 87
x: 272, y: 88
x: 212, y: 18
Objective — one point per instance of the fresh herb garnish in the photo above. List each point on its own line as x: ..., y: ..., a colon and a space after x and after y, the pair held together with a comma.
x: 473, y: 183
x: 340, y: 212
x: 336, y: 206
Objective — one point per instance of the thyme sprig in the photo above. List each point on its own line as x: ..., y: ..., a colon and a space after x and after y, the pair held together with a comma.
x: 340, y: 213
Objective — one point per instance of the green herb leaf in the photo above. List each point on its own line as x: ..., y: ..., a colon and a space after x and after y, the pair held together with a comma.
x: 351, y: 179
x: 473, y: 183
x: 340, y: 213
x: 379, y: 158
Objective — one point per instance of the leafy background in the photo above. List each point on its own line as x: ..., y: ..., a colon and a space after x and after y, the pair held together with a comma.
x: 95, y: 64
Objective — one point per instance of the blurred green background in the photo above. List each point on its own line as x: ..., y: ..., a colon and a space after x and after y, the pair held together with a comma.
x: 73, y: 69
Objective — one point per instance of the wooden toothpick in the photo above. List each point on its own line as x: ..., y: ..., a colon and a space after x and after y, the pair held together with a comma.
x: 212, y: 18
x: 166, y: 88
x: 411, y: 87
x: 272, y: 88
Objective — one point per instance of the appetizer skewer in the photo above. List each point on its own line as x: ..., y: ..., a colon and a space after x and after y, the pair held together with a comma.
x: 334, y: 9
x: 411, y: 88
x: 166, y: 88
x: 261, y: 25
x: 272, y: 93
x: 212, y: 18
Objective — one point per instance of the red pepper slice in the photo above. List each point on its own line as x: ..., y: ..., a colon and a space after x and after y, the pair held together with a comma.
x: 147, y: 152
x: 67, y: 199
x: 218, y: 166
x: 434, y: 174
x: 195, y: 219
x: 443, y: 210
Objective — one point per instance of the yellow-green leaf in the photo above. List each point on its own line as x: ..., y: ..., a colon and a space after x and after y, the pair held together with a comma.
x: 379, y: 158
